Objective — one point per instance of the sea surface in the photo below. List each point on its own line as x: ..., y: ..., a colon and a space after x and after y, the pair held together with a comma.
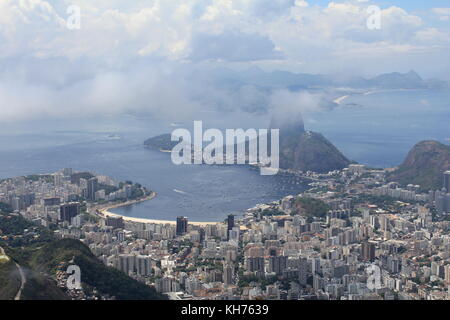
x: 200, y: 192
x: 376, y: 129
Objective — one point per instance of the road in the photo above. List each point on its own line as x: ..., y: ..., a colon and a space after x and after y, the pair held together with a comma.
x: 23, y: 279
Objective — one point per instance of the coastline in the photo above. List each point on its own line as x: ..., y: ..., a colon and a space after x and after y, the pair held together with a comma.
x: 341, y: 99
x: 105, y: 211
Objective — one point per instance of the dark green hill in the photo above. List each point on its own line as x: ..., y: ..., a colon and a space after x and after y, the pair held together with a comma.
x: 41, y: 287
x: 310, y: 151
x: 94, y: 273
x: 9, y: 280
x: 305, y: 150
x: 39, y: 254
x: 309, y: 207
x: 424, y: 165
x: 161, y: 142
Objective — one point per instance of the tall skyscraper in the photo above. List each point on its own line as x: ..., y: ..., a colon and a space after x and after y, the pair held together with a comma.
x: 228, y: 271
x: 182, y: 223
x: 447, y: 181
x: 69, y: 211
x: 115, y: 222
x: 303, y: 271
x: 230, y: 225
x: 254, y: 264
x: 278, y: 264
x: 368, y: 251
x: 51, y: 201
x: 92, y: 188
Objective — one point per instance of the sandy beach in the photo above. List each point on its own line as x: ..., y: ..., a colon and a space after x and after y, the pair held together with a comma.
x: 341, y: 99
x: 107, y: 213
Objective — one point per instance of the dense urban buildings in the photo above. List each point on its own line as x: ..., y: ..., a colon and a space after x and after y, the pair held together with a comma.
x: 350, y: 236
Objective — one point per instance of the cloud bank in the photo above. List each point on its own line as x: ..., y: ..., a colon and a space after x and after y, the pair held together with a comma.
x: 155, y: 56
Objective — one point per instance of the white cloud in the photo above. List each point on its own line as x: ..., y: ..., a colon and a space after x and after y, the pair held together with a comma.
x: 432, y: 35
x: 442, y: 13
x: 121, y: 56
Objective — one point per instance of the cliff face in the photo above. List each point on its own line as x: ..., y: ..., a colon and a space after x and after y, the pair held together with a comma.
x: 306, y: 150
x: 310, y: 151
x: 424, y: 165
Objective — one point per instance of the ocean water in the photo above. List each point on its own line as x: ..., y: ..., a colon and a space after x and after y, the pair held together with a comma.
x: 200, y: 192
x: 377, y: 129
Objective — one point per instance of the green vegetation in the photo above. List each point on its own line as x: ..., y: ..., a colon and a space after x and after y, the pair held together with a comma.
x: 5, y: 208
x: 136, y: 192
x: 36, y: 249
x: 9, y: 280
x: 108, y: 189
x: 384, y: 202
x: 95, y: 274
x: 424, y: 166
x: 244, y: 281
x: 211, y: 263
x: 161, y: 142
x: 309, y: 151
x: 21, y: 232
x: 272, y: 212
x: 311, y: 208
x: 41, y: 287
x: 91, y: 218
x: 36, y: 177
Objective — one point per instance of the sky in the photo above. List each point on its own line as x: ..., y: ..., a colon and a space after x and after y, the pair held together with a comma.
x: 154, y: 54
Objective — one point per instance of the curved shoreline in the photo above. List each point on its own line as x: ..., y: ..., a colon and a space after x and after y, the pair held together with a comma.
x: 105, y: 211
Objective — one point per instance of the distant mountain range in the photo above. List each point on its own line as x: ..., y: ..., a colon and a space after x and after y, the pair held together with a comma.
x: 424, y: 166
x: 284, y: 79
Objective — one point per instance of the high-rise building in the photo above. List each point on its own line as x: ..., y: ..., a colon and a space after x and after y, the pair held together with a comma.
x: 77, y: 221
x: 76, y: 177
x: 228, y: 274
x: 58, y: 180
x: 447, y: 181
x: 182, y: 223
x: 67, y: 172
x: 303, y: 271
x: 254, y: 264
x: 230, y: 225
x: 447, y: 274
x: 277, y: 264
x: 143, y: 265
x: 115, y: 222
x: 128, y: 190
x: 69, y: 211
x: 51, y: 201
x: 127, y: 263
x: 92, y: 188
x: 368, y: 251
